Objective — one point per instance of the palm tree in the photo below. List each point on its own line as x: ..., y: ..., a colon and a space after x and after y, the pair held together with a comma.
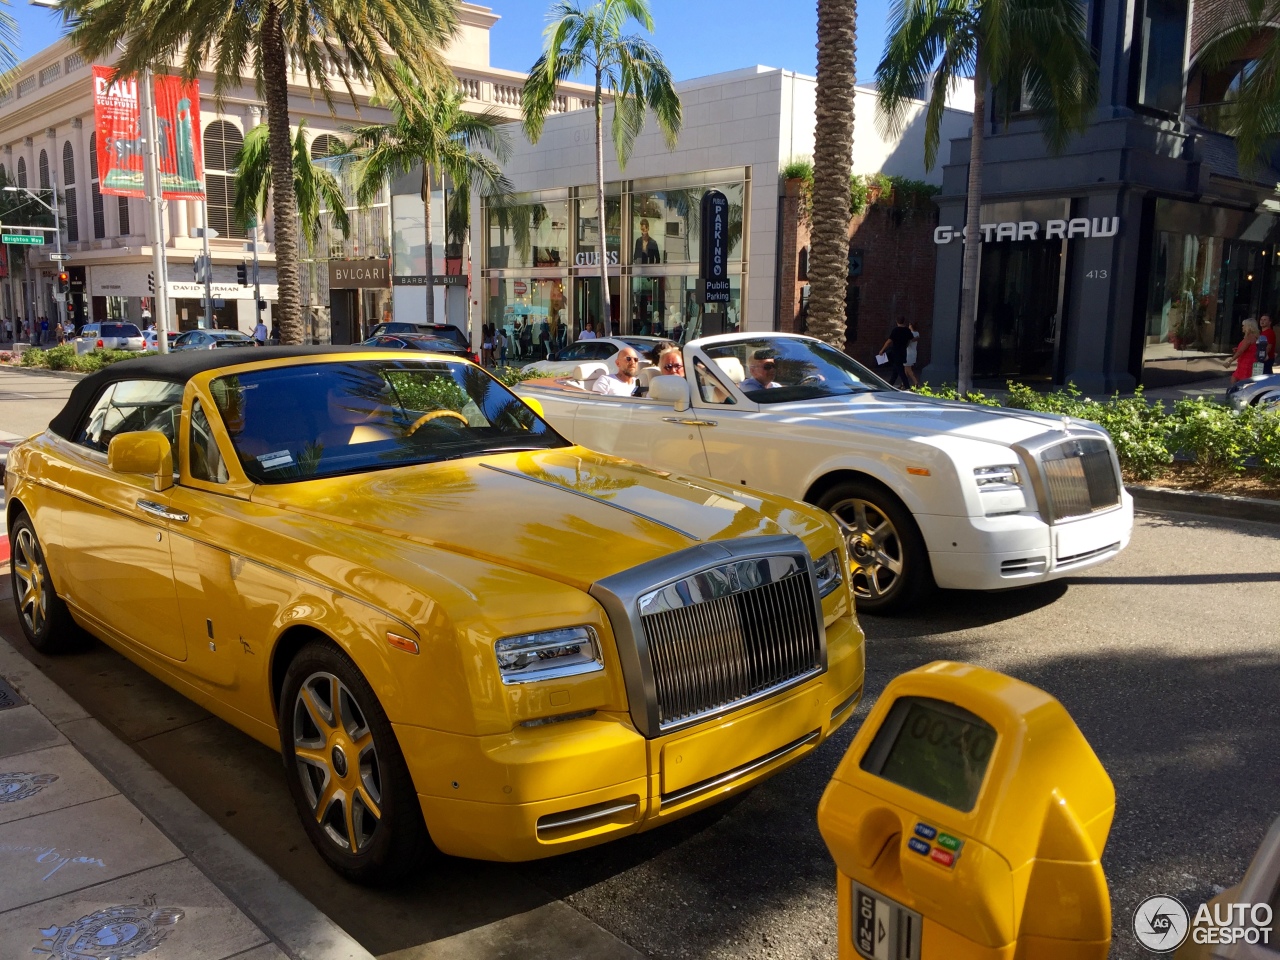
x: 9, y: 43
x: 328, y: 40
x: 832, y: 164
x: 1242, y: 35
x: 314, y: 186
x: 429, y: 127
x: 1035, y: 50
x: 626, y: 67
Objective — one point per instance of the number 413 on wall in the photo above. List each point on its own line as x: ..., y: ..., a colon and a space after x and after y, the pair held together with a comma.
x: 1097, y: 275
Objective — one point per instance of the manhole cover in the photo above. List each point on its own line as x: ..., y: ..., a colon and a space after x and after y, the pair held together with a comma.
x: 8, y: 696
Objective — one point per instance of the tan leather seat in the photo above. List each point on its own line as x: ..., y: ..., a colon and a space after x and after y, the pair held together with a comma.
x: 588, y: 372
x: 732, y: 368
x: 647, y: 374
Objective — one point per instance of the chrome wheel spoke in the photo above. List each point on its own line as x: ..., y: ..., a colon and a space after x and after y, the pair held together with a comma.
x: 875, y: 549
x: 328, y: 797
x: 884, y: 560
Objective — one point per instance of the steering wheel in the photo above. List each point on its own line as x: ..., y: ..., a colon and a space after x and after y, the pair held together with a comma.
x: 434, y: 415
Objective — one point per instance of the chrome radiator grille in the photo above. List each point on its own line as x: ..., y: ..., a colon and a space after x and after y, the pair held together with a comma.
x: 731, y: 634
x: 1080, y: 477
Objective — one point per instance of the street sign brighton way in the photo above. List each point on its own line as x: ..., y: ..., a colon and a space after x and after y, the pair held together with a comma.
x: 22, y: 239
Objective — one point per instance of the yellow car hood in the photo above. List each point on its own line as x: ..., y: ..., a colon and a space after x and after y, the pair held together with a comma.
x: 570, y: 514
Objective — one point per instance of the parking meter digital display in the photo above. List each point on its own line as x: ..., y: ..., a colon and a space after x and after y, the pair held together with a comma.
x: 935, y: 748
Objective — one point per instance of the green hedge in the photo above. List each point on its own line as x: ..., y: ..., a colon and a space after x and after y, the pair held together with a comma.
x: 1217, y: 441
x: 65, y: 358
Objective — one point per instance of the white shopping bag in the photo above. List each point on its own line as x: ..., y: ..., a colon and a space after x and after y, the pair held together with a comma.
x: 882, y: 358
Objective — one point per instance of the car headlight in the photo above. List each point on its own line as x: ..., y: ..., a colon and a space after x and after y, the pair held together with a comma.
x: 549, y: 655
x: 827, y: 571
x: 996, y: 478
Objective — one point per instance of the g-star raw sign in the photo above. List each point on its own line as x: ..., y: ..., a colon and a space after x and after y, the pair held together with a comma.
x: 1030, y: 230
x: 713, y: 260
x: 352, y: 274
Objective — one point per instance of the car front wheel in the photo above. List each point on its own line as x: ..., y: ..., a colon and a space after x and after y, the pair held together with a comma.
x: 888, y: 562
x: 346, y: 772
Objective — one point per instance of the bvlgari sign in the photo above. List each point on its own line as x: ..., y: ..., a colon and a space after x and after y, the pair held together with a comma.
x: 1031, y: 230
x: 349, y: 274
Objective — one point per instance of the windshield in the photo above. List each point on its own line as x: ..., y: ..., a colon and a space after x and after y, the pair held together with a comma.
x: 322, y: 420
x: 781, y: 369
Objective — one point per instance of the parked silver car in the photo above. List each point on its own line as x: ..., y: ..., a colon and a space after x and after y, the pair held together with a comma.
x: 1251, y: 391
x: 110, y: 335
x: 212, y: 340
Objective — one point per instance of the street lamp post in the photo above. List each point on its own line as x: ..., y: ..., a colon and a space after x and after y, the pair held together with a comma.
x: 57, y: 219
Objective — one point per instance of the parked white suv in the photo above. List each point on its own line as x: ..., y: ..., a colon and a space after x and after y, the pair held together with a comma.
x: 963, y: 496
x: 109, y: 335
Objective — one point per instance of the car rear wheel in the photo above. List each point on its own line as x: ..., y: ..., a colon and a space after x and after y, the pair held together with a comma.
x: 888, y: 563
x: 44, y: 617
x: 345, y: 769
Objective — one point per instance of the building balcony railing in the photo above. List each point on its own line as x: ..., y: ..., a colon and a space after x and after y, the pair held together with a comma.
x: 1221, y: 117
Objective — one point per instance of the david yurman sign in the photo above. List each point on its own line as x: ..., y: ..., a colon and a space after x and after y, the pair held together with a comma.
x: 713, y: 260
x: 1030, y: 230
x: 349, y: 274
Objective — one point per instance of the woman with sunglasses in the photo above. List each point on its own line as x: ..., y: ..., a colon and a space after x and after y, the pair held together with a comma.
x: 668, y: 358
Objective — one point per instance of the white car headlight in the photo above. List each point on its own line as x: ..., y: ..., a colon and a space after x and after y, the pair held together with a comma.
x: 995, y: 478
x: 827, y: 571
x: 550, y: 655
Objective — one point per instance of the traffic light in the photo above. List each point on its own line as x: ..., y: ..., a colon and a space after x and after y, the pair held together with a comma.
x: 242, y: 274
x: 64, y: 282
x: 151, y: 283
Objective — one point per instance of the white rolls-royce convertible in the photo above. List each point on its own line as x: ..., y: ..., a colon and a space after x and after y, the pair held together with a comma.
x: 928, y: 492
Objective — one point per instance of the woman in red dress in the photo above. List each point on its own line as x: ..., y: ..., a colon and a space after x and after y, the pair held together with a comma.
x: 1245, y: 351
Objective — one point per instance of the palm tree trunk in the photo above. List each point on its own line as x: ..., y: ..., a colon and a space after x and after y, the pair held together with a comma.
x: 275, y: 81
x: 832, y: 164
x: 605, y: 324
x: 973, y: 232
x: 431, y: 276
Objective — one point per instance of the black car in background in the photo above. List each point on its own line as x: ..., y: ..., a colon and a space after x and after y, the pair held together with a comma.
x: 417, y: 341
x: 445, y: 331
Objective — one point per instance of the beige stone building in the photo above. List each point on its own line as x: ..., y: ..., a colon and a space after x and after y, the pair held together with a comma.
x: 46, y: 141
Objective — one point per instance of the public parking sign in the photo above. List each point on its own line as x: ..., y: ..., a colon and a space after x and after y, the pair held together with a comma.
x: 22, y: 239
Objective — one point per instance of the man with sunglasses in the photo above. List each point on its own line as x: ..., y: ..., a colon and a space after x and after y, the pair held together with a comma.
x: 622, y: 383
x: 763, y: 367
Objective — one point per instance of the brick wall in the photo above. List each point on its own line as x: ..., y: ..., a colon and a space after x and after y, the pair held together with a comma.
x: 897, y: 272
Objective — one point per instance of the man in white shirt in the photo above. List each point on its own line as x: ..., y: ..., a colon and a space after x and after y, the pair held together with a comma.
x: 590, y: 332
x: 260, y: 333
x: 622, y: 383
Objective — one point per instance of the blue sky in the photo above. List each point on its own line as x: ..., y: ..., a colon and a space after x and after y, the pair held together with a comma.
x: 696, y: 37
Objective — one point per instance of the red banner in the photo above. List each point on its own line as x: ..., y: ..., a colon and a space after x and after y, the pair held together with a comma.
x: 118, y: 133
x: 178, y: 119
x: 120, y: 140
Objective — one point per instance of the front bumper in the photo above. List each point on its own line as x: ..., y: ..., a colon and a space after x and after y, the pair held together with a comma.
x: 540, y: 791
x: 994, y: 553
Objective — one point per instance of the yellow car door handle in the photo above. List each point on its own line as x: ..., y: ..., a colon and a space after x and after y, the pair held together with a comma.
x: 690, y: 423
x: 160, y: 510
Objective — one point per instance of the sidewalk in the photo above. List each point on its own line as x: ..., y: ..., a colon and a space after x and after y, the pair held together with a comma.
x: 100, y: 857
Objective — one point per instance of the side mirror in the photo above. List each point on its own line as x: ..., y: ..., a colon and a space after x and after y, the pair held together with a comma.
x: 535, y: 405
x: 671, y: 389
x: 147, y: 452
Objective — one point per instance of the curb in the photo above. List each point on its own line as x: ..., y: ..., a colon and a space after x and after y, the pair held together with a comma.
x: 42, y: 372
x: 1163, y: 499
x: 291, y: 921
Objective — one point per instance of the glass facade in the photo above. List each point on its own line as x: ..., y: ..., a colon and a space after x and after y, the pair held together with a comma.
x: 541, y: 258
x: 1162, y: 42
x: 1211, y: 268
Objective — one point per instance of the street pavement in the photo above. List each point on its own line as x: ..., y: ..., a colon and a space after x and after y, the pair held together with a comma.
x: 1166, y: 657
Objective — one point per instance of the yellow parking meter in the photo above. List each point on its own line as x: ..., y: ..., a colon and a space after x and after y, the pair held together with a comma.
x: 967, y: 821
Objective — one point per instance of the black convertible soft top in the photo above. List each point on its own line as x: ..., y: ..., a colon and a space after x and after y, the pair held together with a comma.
x: 175, y: 368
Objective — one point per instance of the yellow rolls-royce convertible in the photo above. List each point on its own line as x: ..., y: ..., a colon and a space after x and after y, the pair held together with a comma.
x: 457, y: 627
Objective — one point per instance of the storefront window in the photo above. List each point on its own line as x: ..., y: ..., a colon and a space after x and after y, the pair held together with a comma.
x: 529, y: 235
x: 668, y: 307
x: 589, y: 230
x: 665, y: 223
x: 1210, y: 270
x: 539, y: 305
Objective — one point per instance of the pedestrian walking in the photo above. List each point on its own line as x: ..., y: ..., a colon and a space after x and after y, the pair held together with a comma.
x: 500, y: 344
x: 1244, y: 354
x: 1267, y: 332
x: 909, y: 368
x: 486, y: 357
x: 8, y: 330
x: 895, y: 348
x: 526, y: 340
x: 260, y: 333
x: 44, y: 330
